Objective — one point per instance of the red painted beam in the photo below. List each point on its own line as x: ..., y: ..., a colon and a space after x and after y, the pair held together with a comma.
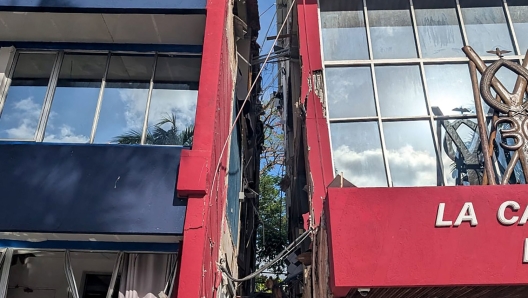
x: 198, y: 275
x: 389, y: 237
x: 317, y: 131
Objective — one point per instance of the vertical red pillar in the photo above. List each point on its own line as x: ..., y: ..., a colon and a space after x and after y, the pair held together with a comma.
x: 312, y: 95
x: 198, y: 275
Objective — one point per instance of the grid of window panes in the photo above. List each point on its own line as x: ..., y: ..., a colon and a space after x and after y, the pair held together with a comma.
x: 396, y: 75
x: 101, y: 98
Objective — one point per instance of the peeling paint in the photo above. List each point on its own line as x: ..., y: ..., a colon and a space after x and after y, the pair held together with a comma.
x: 318, y: 84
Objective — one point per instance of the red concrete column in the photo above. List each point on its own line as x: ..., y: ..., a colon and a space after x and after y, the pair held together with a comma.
x: 198, y: 275
x: 317, y: 133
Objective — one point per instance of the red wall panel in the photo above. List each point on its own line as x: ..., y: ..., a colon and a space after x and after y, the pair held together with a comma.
x: 387, y: 237
x: 317, y: 135
x: 198, y: 274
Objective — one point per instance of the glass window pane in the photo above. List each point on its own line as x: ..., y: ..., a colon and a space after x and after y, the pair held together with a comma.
x: 357, y: 153
x: 450, y: 90
x: 173, y: 106
x: 519, y: 15
x: 460, y: 169
x: 400, y: 91
x: 507, y: 77
x: 486, y: 26
x: 75, y: 99
x: 350, y: 92
x: 343, y: 30
x: 391, y: 29
x: 438, y: 28
x: 411, y: 154
x: 23, y: 105
x: 178, y: 70
x: 125, y: 100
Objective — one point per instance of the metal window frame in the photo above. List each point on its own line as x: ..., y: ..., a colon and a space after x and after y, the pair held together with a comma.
x: 7, y: 256
x: 421, y: 62
x: 54, y: 77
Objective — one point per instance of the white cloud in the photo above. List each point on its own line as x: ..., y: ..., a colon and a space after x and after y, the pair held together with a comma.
x: 27, y: 113
x: 180, y: 102
x: 66, y: 135
x: 408, y: 166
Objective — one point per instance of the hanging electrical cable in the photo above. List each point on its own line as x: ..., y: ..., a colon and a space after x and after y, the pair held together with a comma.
x: 277, y: 259
x: 228, y: 139
x: 266, y: 10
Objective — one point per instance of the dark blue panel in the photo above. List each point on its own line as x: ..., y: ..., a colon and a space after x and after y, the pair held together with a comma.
x: 94, y: 245
x: 125, y: 47
x: 234, y: 185
x: 91, y: 189
x: 106, y: 6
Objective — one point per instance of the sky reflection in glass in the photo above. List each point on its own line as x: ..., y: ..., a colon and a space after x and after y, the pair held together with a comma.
x: 21, y: 113
x: 486, y: 26
x: 357, y: 153
x: 125, y: 97
x: 400, y: 90
x: 350, y: 92
x: 449, y: 87
x: 411, y: 154
x: 75, y: 100
x: 343, y: 30
x: 519, y: 15
x: 438, y: 29
x: 391, y: 30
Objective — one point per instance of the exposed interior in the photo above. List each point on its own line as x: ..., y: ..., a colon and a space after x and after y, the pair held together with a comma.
x: 44, y: 274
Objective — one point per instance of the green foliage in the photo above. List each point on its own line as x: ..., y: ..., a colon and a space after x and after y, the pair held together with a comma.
x: 272, y: 214
x: 160, y: 135
x: 260, y: 284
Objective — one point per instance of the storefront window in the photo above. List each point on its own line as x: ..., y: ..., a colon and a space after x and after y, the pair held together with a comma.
x: 396, y: 110
x: 102, y: 98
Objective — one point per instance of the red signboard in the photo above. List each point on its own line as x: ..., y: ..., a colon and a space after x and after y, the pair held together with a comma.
x: 427, y: 236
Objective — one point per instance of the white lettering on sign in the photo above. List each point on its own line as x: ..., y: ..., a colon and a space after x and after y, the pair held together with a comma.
x: 440, y: 222
x: 502, y: 217
x: 524, y: 218
x: 525, y: 255
x: 467, y: 213
x: 514, y: 206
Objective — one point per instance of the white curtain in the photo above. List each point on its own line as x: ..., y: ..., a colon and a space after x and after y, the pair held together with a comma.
x: 147, y: 275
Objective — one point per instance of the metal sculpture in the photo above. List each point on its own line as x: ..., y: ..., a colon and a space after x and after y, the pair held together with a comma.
x: 510, y: 116
x: 469, y: 161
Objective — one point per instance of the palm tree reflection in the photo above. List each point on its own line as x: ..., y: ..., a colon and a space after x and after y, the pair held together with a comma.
x: 159, y: 135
